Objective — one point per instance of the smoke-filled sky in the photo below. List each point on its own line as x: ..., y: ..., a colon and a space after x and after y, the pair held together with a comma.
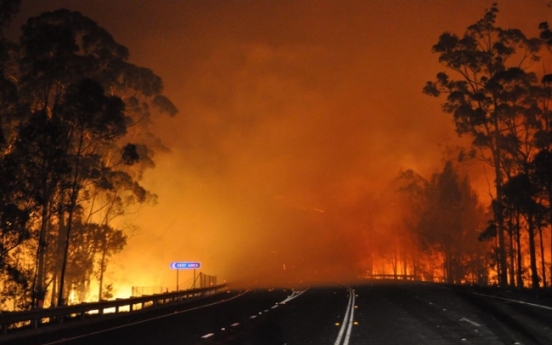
x: 293, y: 116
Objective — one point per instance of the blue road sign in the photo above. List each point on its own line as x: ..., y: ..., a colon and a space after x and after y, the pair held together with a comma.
x: 185, y: 265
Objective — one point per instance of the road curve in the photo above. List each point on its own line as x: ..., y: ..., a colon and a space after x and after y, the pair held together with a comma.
x: 371, y: 313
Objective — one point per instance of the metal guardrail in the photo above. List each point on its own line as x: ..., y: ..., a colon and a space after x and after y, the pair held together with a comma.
x: 37, y: 317
x: 389, y: 276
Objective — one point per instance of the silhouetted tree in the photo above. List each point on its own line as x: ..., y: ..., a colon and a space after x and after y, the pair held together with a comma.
x: 412, y: 203
x: 520, y: 193
x: 542, y: 172
x: 71, y: 96
x: 486, y: 94
x: 449, y: 224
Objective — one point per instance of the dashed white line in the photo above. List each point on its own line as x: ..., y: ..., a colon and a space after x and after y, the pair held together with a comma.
x: 208, y: 335
x: 470, y: 321
x: 143, y: 321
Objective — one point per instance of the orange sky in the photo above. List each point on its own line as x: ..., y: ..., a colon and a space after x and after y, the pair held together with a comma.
x: 292, y: 115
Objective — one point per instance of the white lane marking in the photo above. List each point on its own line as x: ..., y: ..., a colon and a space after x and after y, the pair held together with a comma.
x: 143, y: 321
x: 253, y: 316
x: 514, y: 301
x: 350, y: 322
x: 347, y: 321
x: 502, y: 298
x: 235, y: 324
x: 470, y: 321
x: 208, y: 335
x: 294, y: 295
x: 274, y: 307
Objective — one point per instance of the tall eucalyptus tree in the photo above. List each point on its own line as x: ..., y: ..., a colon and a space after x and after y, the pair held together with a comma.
x: 87, y: 113
x: 487, y: 94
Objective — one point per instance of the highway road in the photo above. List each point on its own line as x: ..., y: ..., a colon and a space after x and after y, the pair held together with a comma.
x: 371, y: 313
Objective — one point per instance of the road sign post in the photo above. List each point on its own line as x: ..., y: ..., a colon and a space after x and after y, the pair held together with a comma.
x: 184, y: 265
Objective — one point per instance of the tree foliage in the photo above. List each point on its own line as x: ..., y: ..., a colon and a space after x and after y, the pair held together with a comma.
x: 495, y: 97
x: 76, y: 138
x: 450, y: 225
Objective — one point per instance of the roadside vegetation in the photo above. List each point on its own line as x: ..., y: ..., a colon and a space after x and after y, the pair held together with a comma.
x: 495, y: 91
x: 75, y: 140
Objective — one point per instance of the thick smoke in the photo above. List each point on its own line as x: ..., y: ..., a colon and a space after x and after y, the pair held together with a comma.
x: 294, y: 117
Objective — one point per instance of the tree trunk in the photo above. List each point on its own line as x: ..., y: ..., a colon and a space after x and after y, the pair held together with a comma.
x: 543, y: 263
x: 54, y: 290
x: 405, y: 262
x: 550, y: 224
x: 38, y: 300
x: 72, y: 206
x: 518, y: 245
x: 102, y: 267
x: 502, y: 265
x: 512, y: 251
x: 395, y: 261
x: 532, y: 253
x: 497, y: 258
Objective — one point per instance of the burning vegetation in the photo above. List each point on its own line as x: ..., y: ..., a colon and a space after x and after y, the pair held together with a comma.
x: 283, y: 171
x: 75, y: 142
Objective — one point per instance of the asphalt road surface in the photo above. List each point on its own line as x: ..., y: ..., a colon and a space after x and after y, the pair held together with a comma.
x: 372, y: 313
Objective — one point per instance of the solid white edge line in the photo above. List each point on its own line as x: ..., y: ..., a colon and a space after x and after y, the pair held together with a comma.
x: 502, y: 298
x: 514, y: 301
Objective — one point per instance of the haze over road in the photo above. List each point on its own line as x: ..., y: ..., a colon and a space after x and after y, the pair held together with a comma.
x: 370, y: 313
